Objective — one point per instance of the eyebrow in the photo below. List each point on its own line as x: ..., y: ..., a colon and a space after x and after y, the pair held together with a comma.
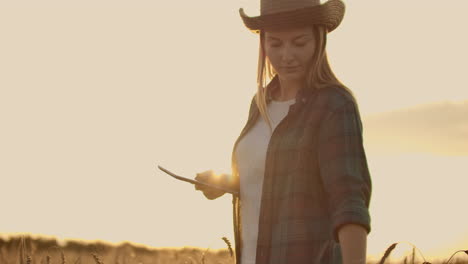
x: 303, y: 35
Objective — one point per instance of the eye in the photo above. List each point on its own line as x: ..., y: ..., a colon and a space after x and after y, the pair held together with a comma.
x: 297, y: 44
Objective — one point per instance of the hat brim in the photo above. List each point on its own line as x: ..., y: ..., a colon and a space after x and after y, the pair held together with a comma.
x: 329, y: 14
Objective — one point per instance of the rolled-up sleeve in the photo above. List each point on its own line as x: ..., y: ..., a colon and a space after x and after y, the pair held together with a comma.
x: 343, y: 168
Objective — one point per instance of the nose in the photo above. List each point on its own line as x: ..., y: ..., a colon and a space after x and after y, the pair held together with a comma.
x: 287, y: 55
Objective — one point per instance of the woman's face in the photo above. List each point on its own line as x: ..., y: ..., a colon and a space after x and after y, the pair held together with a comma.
x: 290, y: 51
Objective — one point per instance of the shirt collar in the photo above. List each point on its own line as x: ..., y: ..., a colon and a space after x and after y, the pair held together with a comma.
x: 302, y: 95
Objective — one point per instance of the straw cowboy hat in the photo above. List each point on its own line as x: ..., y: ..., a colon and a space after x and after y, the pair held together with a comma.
x: 287, y: 13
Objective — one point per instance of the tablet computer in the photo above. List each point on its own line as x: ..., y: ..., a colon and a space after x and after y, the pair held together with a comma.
x: 228, y: 190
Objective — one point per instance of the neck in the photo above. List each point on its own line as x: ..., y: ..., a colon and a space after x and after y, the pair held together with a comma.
x: 288, y: 90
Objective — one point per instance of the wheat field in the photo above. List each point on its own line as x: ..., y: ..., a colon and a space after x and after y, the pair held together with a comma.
x: 38, y: 250
x: 25, y: 249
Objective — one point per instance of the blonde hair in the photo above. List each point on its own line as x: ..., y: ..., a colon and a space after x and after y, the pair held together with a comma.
x: 319, y: 73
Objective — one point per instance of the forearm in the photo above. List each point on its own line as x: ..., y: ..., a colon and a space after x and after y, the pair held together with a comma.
x: 353, y: 242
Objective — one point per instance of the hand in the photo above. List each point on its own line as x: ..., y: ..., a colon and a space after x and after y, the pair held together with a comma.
x: 211, y: 178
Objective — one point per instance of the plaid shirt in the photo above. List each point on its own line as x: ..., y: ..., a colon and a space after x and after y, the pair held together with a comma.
x: 316, y: 179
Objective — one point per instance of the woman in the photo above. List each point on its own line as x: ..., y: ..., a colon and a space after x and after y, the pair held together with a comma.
x: 301, y: 168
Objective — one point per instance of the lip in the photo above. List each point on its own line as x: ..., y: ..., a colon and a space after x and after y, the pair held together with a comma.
x: 291, y: 68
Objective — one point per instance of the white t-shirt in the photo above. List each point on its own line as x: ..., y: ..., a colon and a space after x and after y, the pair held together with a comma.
x: 250, y: 156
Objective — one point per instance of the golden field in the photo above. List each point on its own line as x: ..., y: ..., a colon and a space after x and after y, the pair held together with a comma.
x: 41, y: 250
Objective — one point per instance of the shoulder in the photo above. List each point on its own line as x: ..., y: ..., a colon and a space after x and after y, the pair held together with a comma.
x: 253, y: 102
x: 253, y: 106
x: 333, y: 97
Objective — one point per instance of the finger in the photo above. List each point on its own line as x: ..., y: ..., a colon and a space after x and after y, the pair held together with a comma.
x: 213, y: 194
x: 201, y: 176
x: 210, y: 196
x: 206, y: 174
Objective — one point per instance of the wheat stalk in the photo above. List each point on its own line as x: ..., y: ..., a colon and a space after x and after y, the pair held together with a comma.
x: 387, y: 252
x: 392, y: 247
x: 21, y: 249
x: 97, y: 259
x: 62, y: 256
x: 229, y: 245
x: 203, y: 256
x: 466, y: 251
x: 78, y: 260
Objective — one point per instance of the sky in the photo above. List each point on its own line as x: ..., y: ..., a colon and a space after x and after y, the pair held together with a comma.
x: 95, y: 94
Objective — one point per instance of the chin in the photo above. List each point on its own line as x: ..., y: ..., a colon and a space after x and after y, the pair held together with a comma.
x: 292, y: 76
